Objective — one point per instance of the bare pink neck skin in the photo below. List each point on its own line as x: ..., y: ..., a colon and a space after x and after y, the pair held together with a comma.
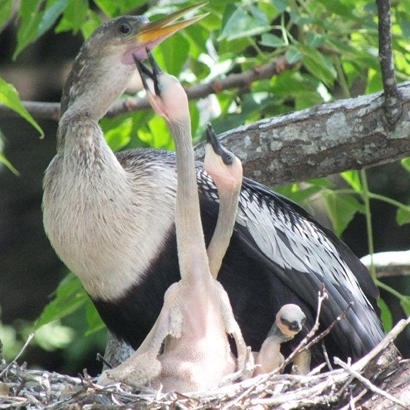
x: 192, y: 256
x: 228, y: 202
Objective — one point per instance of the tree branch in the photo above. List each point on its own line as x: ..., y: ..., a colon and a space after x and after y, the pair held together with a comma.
x: 315, y: 142
x: 389, y: 264
x: 393, y: 108
x: 319, y: 141
x: 51, y: 111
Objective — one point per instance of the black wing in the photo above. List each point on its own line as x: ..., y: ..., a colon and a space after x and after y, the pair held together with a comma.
x: 279, y: 254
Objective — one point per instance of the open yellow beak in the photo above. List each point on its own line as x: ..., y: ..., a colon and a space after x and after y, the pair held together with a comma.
x: 159, y: 30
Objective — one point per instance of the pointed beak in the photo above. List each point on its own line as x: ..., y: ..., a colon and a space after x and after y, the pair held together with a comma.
x: 154, y: 33
x: 217, y: 147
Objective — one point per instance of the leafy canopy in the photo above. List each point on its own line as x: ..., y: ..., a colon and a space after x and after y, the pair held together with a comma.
x: 333, y: 44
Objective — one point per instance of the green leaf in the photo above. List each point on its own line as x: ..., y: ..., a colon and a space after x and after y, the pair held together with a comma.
x: 54, y: 336
x: 280, y: 5
x: 318, y: 64
x: 293, y: 55
x: 405, y: 162
x: 30, y: 20
x: 70, y: 295
x: 156, y: 134
x: 119, y: 136
x: 8, y: 164
x: 109, y: 7
x: 314, y: 40
x: 114, y: 8
x: 353, y: 179
x: 194, y: 114
x: 405, y: 28
x: 201, y: 70
x: 174, y: 51
x: 322, y: 182
x: 270, y: 40
x: 374, y: 81
x: 53, y: 10
x: 75, y: 16
x: 338, y: 7
x: 294, y: 83
x: 6, y: 7
x: 405, y: 304
x: 301, y: 195
x: 258, y: 14
x: 342, y: 209
x: 94, y: 320
x: 240, y: 24
x: 403, y: 215
x: 386, y: 316
x: 197, y: 36
x: 9, y: 96
x: 91, y: 24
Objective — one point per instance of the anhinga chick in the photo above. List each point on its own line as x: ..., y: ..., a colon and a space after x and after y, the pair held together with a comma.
x: 196, y: 316
x: 289, y: 322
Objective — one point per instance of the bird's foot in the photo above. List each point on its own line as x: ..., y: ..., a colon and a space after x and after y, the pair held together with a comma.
x: 138, y: 370
x: 244, y: 372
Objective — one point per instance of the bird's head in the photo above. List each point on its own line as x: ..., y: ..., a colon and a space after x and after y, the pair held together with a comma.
x: 224, y: 167
x: 105, y: 63
x: 290, y: 320
x: 165, y: 93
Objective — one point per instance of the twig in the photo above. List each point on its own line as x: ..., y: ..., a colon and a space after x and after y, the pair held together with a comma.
x: 326, y: 356
x: 29, y: 339
x: 354, y: 400
x: 51, y: 111
x: 393, y: 106
x: 319, y: 337
x: 386, y: 341
x: 100, y: 358
x: 322, y: 295
x: 368, y: 383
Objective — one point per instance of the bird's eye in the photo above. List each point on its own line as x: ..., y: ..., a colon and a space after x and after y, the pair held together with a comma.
x: 124, y: 28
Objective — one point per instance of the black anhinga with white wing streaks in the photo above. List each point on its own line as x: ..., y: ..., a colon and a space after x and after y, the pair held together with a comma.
x: 110, y: 218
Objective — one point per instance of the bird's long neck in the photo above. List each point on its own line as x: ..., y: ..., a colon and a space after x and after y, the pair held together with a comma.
x: 228, y: 201
x: 92, y: 86
x: 192, y: 254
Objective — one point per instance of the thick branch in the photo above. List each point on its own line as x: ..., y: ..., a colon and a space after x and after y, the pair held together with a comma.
x: 393, y: 108
x: 318, y: 141
x: 322, y: 140
x: 389, y: 264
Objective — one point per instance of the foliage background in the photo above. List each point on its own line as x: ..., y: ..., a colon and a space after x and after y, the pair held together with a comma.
x: 333, y: 44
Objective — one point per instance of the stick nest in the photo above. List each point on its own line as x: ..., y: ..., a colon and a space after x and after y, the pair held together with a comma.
x: 343, y: 387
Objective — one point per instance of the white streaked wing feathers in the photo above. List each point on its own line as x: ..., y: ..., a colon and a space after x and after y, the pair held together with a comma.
x: 310, y: 250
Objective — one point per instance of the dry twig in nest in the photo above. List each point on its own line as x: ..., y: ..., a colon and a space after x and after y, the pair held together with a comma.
x: 35, y: 389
